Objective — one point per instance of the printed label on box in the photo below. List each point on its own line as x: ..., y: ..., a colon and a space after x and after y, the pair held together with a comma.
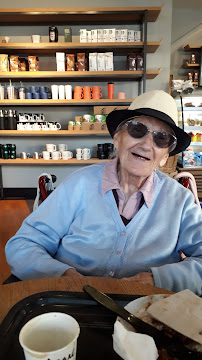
x: 109, y: 64
x: 101, y: 61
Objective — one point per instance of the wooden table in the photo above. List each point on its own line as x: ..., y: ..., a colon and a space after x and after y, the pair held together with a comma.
x: 10, y: 294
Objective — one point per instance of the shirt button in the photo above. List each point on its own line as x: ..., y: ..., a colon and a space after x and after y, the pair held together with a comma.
x: 123, y: 233
x: 111, y: 273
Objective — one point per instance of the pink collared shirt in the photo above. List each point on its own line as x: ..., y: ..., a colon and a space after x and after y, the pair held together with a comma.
x: 110, y: 181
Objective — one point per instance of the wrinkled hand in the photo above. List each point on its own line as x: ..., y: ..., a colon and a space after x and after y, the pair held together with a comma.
x: 143, y: 277
x: 72, y: 273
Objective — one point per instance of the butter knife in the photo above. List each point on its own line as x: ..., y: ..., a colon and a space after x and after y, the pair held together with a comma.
x: 173, y: 345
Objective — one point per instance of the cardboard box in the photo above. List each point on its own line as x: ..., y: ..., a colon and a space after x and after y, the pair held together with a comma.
x: 131, y: 37
x: 137, y: 36
x: 124, y: 35
x: 87, y: 126
x: 89, y: 37
x: 112, y: 35
x: 99, y: 126
x: 98, y: 110
x: 68, y: 34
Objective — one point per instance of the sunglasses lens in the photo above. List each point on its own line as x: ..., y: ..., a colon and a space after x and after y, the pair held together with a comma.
x: 163, y: 140
x: 136, y: 130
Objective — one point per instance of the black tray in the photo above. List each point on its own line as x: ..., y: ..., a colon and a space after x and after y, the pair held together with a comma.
x: 96, y: 323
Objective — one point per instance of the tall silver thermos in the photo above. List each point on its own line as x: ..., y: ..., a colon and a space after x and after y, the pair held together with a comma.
x: 2, y: 120
x: 12, y: 120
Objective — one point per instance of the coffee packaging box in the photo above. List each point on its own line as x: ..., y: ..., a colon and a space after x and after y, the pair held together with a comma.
x: 83, y: 35
x: 118, y: 35
x: 68, y: 34
x: 124, y: 35
x: 106, y: 35
x: 131, y: 37
x: 107, y: 109
x: 60, y: 60
x: 93, y: 66
x: 137, y: 36
x: 94, y: 35
x: 100, y: 35
x: 101, y: 61
x: 112, y: 35
x: 89, y: 37
x: 109, y: 64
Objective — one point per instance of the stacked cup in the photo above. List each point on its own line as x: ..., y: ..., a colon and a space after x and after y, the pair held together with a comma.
x: 54, y: 154
x: 97, y: 92
x: 83, y: 154
x: 87, y: 92
x: 78, y: 92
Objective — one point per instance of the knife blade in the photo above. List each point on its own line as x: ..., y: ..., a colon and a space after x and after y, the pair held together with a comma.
x: 173, y: 345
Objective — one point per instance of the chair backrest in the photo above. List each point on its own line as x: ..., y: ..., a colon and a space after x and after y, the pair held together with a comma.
x: 188, y: 181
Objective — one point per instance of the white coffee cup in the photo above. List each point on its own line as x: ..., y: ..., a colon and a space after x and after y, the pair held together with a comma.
x: 86, y: 151
x: 54, y: 126
x: 51, y: 335
x: 63, y: 147
x: 28, y: 126
x: 66, y: 155
x: 68, y: 92
x: 45, y: 127
x: 79, y: 151
x: 56, y: 155
x: 61, y: 92
x: 79, y: 156
x: 54, y: 91
x: 36, y: 126
x: 36, y: 38
x: 46, y: 155
x: 51, y: 147
x: 20, y: 126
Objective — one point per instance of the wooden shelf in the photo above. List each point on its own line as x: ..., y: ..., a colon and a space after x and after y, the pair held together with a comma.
x: 192, y: 48
x: 23, y: 133
x: 192, y: 108
x: 47, y: 48
x: 188, y: 65
x: 31, y: 161
x: 80, y: 16
x: 50, y: 102
x: 78, y: 75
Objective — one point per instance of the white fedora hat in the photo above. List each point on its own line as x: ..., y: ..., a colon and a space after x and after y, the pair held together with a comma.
x: 157, y: 104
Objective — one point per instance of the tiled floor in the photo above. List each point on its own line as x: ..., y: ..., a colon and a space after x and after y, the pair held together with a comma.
x: 12, y: 213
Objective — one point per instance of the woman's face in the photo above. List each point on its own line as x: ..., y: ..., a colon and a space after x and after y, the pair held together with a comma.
x: 139, y: 157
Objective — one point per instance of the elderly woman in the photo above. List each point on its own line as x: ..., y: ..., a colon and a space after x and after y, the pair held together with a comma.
x: 123, y: 218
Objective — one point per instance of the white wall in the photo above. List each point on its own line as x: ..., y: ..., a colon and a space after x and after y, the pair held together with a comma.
x: 27, y: 176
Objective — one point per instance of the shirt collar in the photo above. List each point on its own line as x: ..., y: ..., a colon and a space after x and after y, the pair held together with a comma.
x: 110, y: 181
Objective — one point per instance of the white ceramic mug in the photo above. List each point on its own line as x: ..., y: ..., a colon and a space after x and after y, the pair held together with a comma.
x: 79, y: 151
x: 45, y: 127
x: 56, y: 155
x: 61, y: 89
x: 79, y: 156
x: 36, y: 38
x: 37, y: 155
x: 54, y: 126
x: 68, y: 92
x: 46, y: 155
x: 24, y: 155
x: 36, y: 126
x: 51, y: 147
x: 54, y: 91
x: 86, y: 151
x: 20, y: 126
x: 66, y: 155
x: 63, y: 147
x: 28, y: 126
x: 52, y: 335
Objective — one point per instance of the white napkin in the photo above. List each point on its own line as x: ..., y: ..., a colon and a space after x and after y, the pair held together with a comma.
x: 131, y: 345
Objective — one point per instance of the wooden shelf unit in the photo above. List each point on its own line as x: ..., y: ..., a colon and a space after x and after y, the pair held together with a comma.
x: 79, y: 75
x: 188, y: 65
x: 74, y: 16
x: 192, y: 48
x: 37, y: 162
x: 18, y: 133
x: 74, y: 47
x: 50, y: 102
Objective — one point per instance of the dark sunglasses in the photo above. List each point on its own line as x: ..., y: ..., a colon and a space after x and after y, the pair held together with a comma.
x: 162, y: 139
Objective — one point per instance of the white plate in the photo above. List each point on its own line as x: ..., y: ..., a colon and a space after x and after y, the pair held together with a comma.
x: 139, y: 308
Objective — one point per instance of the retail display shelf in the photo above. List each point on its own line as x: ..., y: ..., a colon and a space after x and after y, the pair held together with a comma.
x: 196, y: 143
x: 192, y: 48
x: 192, y: 108
x: 37, y: 162
x: 48, y: 102
x: 80, y: 75
x: 57, y: 133
x: 47, y: 47
x: 189, y: 128
x: 188, y: 65
x: 80, y: 16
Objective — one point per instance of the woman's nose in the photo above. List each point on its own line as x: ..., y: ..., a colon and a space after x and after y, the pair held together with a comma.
x: 147, y: 140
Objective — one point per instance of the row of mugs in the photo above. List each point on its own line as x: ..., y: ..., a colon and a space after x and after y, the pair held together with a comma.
x: 87, y: 92
x: 38, y: 126
x: 57, y: 155
x: 31, y: 117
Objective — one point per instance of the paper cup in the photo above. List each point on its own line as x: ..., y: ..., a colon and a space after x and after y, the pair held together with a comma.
x: 50, y: 336
x: 36, y: 38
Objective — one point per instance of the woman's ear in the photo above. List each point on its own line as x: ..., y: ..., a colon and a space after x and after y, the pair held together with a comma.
x: 115, y: 140
x: 163, y: 160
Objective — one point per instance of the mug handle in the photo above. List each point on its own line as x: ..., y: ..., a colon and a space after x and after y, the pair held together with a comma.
x: 60, y: 155
x: 28, y: 155
x: 100, y: 96
x: 58, y: 125
x: 54, y: 148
